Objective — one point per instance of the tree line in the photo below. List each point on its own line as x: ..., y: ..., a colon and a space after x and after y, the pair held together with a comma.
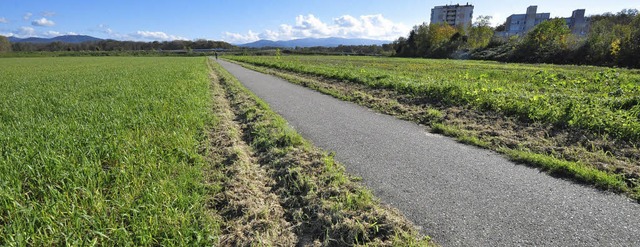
x: 127, y: 46
x: 381, y: 50
x: 113, y: 45
x: 613, y: 40
x: 443, y: 40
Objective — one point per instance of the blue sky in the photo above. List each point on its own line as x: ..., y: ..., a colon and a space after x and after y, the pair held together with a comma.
x: 241, y: 21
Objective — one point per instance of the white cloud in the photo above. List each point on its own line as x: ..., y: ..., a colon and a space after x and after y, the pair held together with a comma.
x: 111, y: 34
x: 346, y: 21
x: 3, y: 20
x: 51, y: 33
x: 56, y: 33
x: 366, y: 26
x: 242, y: 38
x: 43, y: 22
x: 312, y: 24
x: 269, y: 35
x: 27, y: 16
x: 161, y: 36
x: 26, y: 31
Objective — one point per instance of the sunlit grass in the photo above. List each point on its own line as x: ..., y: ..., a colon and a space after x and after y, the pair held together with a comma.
x: 600, y: 100
x: 103, y: 151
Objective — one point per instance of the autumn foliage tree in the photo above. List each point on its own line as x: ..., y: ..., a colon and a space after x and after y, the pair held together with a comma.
x: 624, y: 41
x: 480, y: 33
x: 427, y: 40
x: 545, y: 43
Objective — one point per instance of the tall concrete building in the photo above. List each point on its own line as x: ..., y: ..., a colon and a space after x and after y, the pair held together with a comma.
x: 577, y: 22
x: 519, y: 24
x: 454, y: 15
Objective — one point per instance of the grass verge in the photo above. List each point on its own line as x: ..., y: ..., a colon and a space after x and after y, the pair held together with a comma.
x: 545, y: 146
x: 250, y: 211
x: 323, y: 204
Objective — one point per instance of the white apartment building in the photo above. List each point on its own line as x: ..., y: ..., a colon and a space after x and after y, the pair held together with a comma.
x: 454, y: 15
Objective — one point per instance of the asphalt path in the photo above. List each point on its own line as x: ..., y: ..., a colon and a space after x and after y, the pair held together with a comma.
x: 458, y: 194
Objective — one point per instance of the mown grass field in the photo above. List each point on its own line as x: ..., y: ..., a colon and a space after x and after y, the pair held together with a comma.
x: 581, y: 122
x: 131, y: 151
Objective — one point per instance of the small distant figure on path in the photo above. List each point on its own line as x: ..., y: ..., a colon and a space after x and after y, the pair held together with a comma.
x: 216, y: 53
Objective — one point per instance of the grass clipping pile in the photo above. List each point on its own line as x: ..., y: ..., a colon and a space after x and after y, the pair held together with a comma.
x: 279, y: 190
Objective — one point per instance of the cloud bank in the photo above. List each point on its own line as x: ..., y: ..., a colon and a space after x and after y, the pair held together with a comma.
x: 309, y: 26
x: 159, y: 36
x: 140, y: 35
x: 21, y: 32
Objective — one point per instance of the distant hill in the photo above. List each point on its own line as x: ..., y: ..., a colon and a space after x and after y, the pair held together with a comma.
x: 74, y: 39
x: 313, y: 42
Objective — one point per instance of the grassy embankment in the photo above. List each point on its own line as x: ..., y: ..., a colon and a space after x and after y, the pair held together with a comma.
x: 576, y: 122
x: 148, y: 151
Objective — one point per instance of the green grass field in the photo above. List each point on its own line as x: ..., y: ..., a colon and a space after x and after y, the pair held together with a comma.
x: 104, y: 150
x: 578, y: 122
x: 166, y: 151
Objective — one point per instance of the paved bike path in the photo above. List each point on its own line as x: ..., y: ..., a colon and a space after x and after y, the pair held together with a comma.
x: 458, y: 194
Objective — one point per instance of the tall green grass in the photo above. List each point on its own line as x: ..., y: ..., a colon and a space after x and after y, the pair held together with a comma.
x: 104, y: 151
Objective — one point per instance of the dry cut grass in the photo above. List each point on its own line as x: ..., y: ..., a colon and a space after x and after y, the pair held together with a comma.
x: 322, y: 205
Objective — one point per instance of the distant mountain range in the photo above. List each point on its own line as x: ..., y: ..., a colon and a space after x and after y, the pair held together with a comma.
x: 312, y: 42
x: 75, y: 39
x: 306, y: 42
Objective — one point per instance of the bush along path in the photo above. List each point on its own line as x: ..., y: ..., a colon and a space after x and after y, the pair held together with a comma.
x: 278, y: 190
x: 581, y: 155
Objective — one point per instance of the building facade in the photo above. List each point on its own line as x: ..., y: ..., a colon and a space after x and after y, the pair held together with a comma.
x: 578, y: 24
x: 454, y: 15
x: 519, y: 24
